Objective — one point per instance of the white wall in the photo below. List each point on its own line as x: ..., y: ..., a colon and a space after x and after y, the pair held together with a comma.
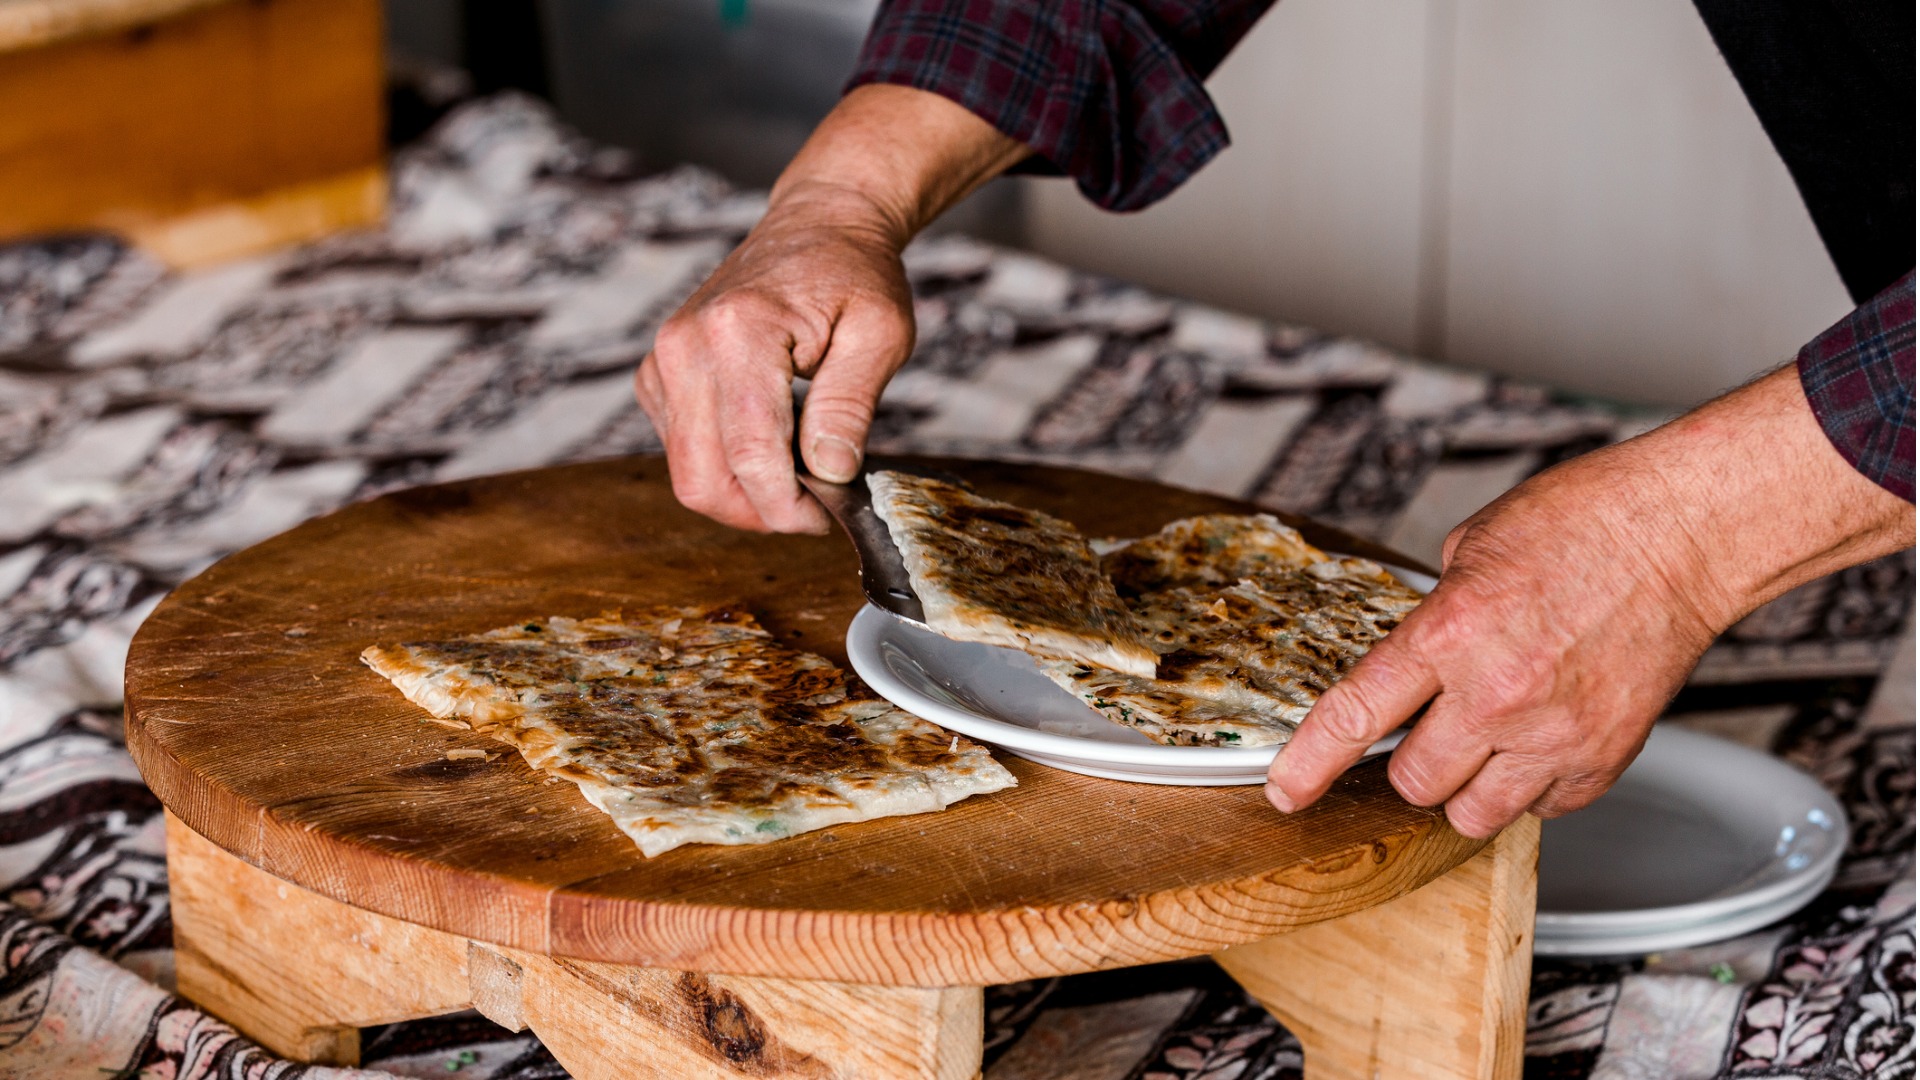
x: 1575, y: 192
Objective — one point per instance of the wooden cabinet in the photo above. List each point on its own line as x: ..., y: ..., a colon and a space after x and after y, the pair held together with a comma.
x: 203, y: 130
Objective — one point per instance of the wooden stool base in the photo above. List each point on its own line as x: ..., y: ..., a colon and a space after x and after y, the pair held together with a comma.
x: 1431, y: 985
x: 301, y: 974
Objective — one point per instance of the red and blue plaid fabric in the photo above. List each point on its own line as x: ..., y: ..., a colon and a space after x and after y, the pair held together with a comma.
x: 1110, y: 93
x: 1107, y: 91
x: 1858, y: 376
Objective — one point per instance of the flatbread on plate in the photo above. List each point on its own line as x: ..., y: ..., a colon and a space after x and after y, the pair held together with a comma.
x: 1211, y: 549
x: 1252, y: 625
x: 992, y: 572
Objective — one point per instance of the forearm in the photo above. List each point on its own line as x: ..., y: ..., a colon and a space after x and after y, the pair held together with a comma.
x: 1108, y: 92
x: 891, y: 159
x: 1755, y: 500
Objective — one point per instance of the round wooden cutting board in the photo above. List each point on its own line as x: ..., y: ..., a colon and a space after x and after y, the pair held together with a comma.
x: 252, y: 718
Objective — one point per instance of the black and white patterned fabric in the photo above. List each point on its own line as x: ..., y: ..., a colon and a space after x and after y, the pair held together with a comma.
x: 151, y: 422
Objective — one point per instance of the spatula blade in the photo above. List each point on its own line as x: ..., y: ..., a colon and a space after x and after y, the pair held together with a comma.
x: 883, y: 575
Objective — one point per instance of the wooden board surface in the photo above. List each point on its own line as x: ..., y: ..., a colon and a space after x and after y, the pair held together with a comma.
x: 251, y: 717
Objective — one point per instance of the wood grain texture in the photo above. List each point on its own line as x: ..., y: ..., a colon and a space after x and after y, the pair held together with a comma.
x: 300, y: 974
x: 1431, y: 986
x: 287, y: 215
x: 224, y: 103
x: 497, y: 986
x: 296, y: 972
x: 251, y: 717
x: 613, y: 1022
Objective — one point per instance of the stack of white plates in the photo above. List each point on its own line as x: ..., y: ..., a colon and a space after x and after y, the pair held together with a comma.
x: 1701, y: 839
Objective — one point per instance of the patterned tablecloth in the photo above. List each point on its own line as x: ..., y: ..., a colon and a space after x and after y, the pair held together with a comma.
x: 151, y: 422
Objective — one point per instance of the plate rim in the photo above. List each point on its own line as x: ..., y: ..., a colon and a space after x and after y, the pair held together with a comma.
x: 863, y: 654
x: 1717, y: 909
x: 1681, y: 935
x: 864, y: 638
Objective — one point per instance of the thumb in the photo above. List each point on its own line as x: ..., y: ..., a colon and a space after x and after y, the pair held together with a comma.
x: 868, y: 347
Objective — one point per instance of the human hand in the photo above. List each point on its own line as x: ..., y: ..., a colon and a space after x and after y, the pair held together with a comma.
x: 815, y: 291
x: 1549, y: 646
x: 1571, y: 609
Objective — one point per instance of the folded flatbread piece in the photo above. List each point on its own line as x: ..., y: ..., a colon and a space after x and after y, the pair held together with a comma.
x: 1212, y: 549
x: 690, y: 725
x: 992, y: 572
x: 1252, y: 625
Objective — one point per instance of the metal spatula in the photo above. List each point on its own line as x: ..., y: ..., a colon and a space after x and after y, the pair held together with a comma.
x: 882, y: 573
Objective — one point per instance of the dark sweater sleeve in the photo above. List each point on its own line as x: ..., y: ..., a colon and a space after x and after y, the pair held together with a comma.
x: 1108, y: 92
x: 1858, y: 376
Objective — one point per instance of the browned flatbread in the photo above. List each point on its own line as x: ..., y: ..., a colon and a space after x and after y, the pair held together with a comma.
x: 1212, y: 549
x: 1252, y: 625
x: 1165, y: 710
x: 993, y: 572
x: 690, y: 725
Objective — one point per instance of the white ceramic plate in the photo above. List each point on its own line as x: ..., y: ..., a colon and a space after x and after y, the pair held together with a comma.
x: 1681, y: 935
x: 996, y: 695
x: 1701, y: 839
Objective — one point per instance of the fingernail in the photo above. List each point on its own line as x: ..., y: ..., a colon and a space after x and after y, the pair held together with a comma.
x: 1281, y: 800
x: 834, y: 459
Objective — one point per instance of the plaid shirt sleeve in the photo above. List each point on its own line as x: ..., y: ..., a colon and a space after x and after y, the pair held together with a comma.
x: 1106, y: 91
x: 1858, y: 376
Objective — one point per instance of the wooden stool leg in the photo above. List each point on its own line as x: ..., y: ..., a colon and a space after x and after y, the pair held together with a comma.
x: 1431, y: 986
x: 608, y: 1022
x: 294, y: 971
x: 301, y: 974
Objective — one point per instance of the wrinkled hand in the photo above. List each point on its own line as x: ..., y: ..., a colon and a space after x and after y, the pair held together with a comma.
x: 1550, y: 645
x: 816, y: 291
x: 1571, y: 609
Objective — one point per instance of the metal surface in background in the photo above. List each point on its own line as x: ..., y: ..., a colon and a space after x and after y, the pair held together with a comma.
x: 734, y: 85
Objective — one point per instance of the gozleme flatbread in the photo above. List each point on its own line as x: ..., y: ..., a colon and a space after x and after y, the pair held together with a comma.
x: 1240, y: 662
x: 1212, y: 549
x: 992, y: 572
x: 1161, y: 709
x: 690, y: 725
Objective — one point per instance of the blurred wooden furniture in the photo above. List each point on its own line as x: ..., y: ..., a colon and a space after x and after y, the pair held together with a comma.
x: 201, y: 129
x: 332, y: 868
